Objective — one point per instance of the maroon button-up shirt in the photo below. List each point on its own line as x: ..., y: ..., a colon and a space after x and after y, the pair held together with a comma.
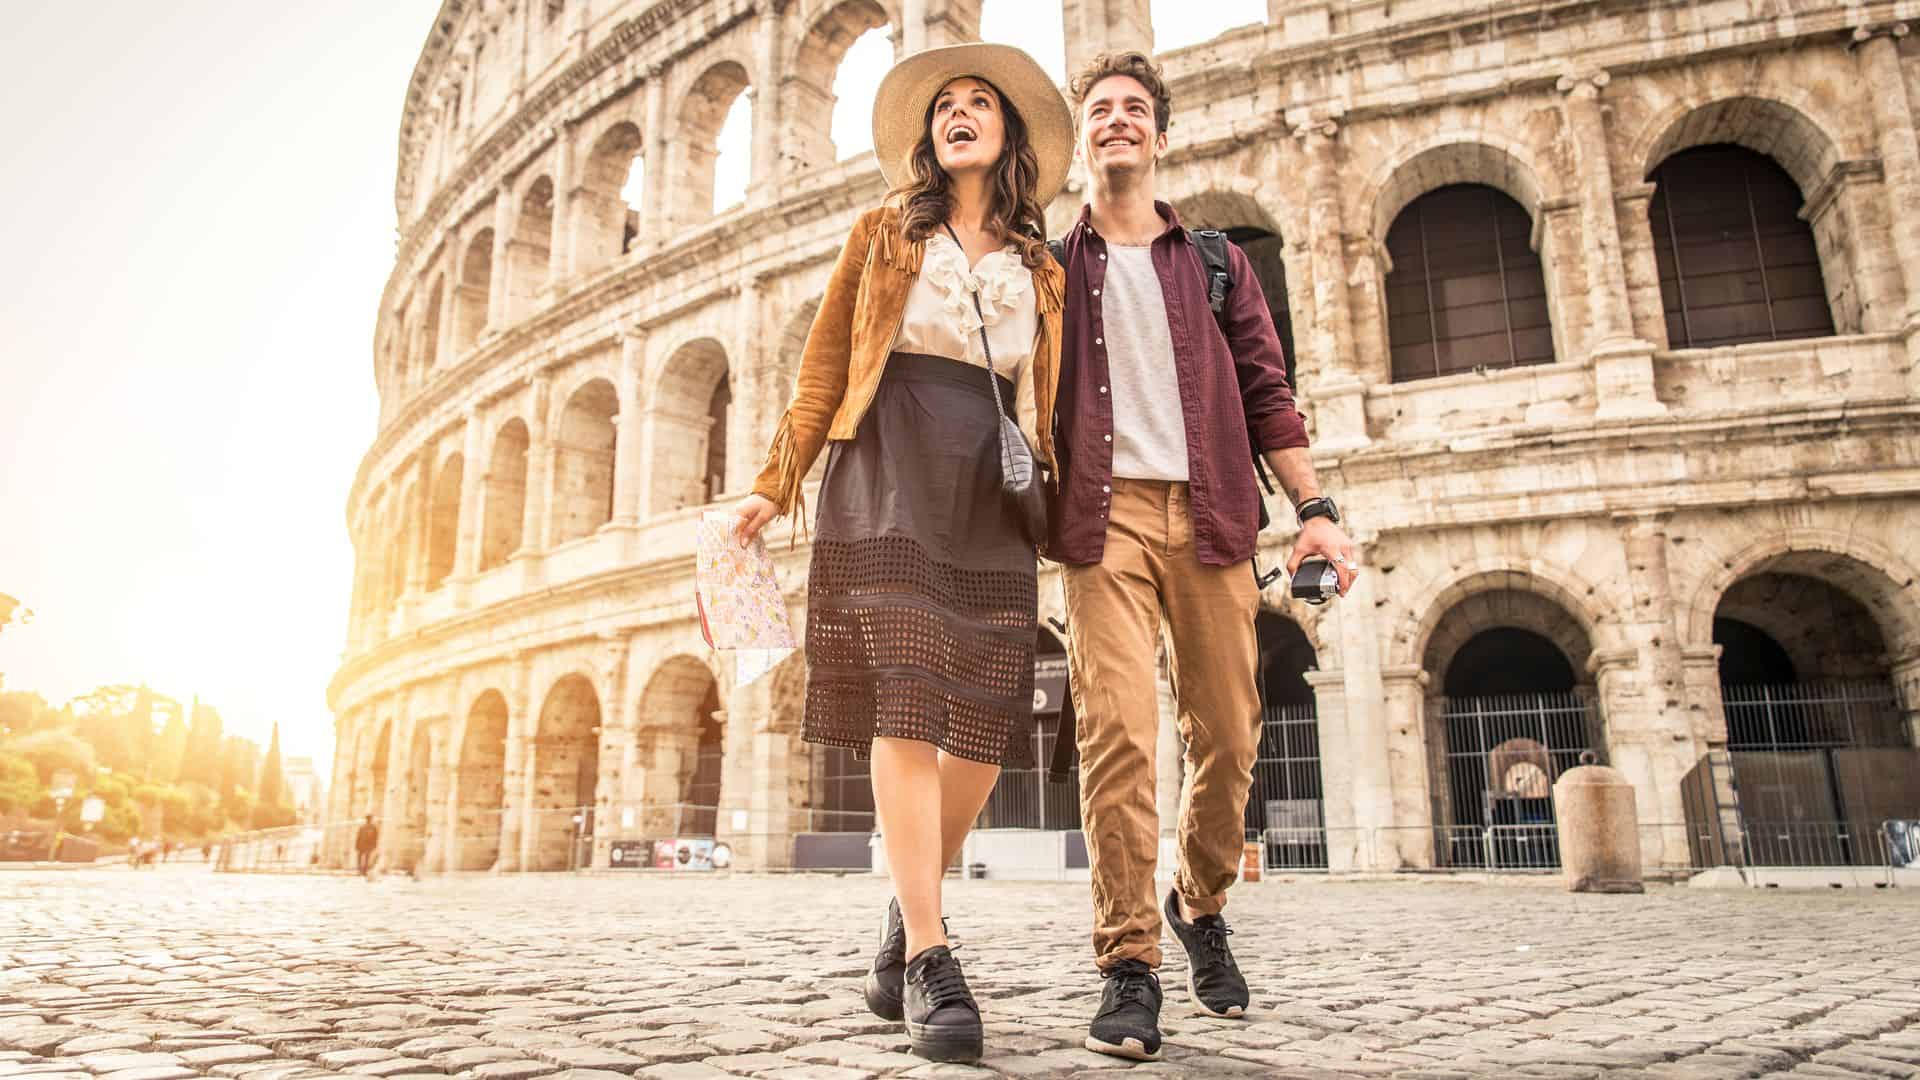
x: 1233, y: 390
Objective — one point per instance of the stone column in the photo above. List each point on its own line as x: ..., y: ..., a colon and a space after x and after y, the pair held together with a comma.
x: 1349, y: 836
x: 1906, y: 684
x: 443, y: 349
x: 499, y: 285
x: 950, y: 22
x: 1622, y: 364
x: 417, y: 529
x: 533, y: 524
x: 1095, y: 26
x: 560, y: 245
x: 747, y: 368
x: 1361, y: 731
x: 653, y: 152
x: 1645, y: 306
x: 1878, y: 51
x: 628, y: 439
x: 436, y: 852
x: 516, y: 792
x: 611, y: 738
x: 466, y: 553
x: 1411, y: 813
x: 392, y: 801
x: 768, y: 76
x: 1339, y: 395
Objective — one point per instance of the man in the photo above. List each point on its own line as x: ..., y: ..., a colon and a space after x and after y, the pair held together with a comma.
x: 1157, y: 511
x: 365, y: 842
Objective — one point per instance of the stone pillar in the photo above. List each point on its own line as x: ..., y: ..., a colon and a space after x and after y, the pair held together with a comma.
x: 656, y: 185
x: 443, y: 349
x: 391, y: 801
x: 1339, y: 395
x: 1301, y: 21
x: 1706, y: 711
x: 533, y: 523
x: 747, y: 433
x: 417, y: 528
x: 950, y: 22
x: 1645, y: 306
x: 473, y: 483
x: 612, y: 737
x: 1885, y: 85
x: 628, y: 439
x: 1412, y: 807
x: 1906, y: 684
x: 1095, y: 26
x: 499, y: 287
x: 1361, y: 731
x: 1622, y: 364
x: 1349, y: 837
x: 560, y: 246
x: 436, y: 853
x: 768, y: 76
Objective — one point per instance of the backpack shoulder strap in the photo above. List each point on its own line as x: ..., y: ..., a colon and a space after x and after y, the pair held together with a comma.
x: 1213, y: 258
x: 1059, y: 250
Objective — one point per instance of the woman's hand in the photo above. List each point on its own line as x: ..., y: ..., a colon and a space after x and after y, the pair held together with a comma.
x: 750, y: 516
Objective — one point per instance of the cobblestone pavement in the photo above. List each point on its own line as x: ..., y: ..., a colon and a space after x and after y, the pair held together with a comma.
x: 181, y: 972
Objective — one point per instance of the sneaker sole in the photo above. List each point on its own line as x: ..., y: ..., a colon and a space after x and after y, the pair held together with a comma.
x: 1132, y: 1049
x: 945, y: 1042
x: 882, y: 1004
x: 1231, y: 1012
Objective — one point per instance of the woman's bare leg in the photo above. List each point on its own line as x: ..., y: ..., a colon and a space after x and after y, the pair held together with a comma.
x: 906, y: 798
x: 964, y: 787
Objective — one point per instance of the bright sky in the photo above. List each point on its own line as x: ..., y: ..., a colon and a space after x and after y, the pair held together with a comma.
x: 200, y: 208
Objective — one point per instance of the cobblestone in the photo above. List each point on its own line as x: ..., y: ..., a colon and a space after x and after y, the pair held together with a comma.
x: 179, y: 973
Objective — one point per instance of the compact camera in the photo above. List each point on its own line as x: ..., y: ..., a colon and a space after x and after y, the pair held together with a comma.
x: 1316, y: 581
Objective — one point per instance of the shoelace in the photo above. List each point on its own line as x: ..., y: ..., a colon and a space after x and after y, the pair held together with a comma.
x: 1133, y: 982
x: 945, y: 984
x: 1215, y: 932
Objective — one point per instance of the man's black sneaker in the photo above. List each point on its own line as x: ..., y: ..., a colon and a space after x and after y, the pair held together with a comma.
x: 1213, y: 978
x: 1128, y: 1023
x: 943, y: 1021
x: 886, y: 982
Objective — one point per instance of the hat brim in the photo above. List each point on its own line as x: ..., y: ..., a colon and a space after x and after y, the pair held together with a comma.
x: 900, y: 108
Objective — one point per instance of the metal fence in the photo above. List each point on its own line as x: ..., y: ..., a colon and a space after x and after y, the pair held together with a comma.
x: 1503, y: 754
x: 1023, y: 799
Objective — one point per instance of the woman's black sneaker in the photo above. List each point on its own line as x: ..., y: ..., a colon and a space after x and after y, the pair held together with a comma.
x: 886, y: 982
x: 1213, y: 978
x: 943, y: 1021
x: 1128, y: 1023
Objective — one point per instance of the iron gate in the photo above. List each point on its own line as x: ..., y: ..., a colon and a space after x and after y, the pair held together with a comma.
x: 1503, y: 754
x: 1284, y: 810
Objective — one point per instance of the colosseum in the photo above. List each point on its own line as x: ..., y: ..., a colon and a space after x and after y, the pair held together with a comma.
x: 1604, y: 314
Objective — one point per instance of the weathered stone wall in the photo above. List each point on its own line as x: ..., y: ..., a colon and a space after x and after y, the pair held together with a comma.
x: 547, y: 357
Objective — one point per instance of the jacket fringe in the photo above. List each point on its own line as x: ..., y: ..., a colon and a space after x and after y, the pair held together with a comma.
x: 892, y: 246
x: 789, y: 497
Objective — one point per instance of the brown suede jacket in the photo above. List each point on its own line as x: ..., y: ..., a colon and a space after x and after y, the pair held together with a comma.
x: 846, y: 352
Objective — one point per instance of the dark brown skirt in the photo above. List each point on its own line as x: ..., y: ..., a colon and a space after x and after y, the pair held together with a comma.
x: 922, y: 594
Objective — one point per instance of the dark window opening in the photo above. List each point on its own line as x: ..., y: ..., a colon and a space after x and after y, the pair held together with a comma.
x: 1466, y: 290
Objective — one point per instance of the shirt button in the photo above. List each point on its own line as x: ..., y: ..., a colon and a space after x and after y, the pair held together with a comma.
x: 1103, y: 258
x: 1108, y: 438
x: 1103, y: 389
x: 1106, y: 488
x: 1096, y: 292
x: 1099, y: 341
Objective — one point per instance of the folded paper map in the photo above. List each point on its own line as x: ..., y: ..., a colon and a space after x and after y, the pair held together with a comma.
x: 739, y: 599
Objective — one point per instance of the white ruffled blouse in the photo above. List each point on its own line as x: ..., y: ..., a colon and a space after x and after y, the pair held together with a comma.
x: 940, y: 318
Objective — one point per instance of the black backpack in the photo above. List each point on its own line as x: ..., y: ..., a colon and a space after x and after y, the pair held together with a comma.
x: 1212, y: 244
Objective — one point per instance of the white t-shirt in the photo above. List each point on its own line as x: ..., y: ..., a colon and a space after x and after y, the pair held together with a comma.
x: 1149, y: 422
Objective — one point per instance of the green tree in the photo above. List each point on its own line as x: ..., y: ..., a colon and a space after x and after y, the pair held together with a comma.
x: 55, y: 751
x: 117, y: 721
x: 239, y: 764
x: 19, y: 784
x: 272, y: 803
x: 170, y: 748
x: 201, y: 762
x: 23, y: 713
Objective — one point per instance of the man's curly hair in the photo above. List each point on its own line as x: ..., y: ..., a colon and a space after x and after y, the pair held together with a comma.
x: 1135, y: 65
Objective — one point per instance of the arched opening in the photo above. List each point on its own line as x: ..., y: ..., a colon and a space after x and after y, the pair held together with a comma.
x: 481, y: 782
x: 470, y: 300
x: 583, y: 456
x: 1737, y: 262
x: 691, y: 403
x: 605, y: 226
x: 1285, y: 807
x: 505, y: 495
x: 1253, y: 229
x: 681, y: 750
x: 1514, y: 716
x: 530, y: 250
x: 411, y: 840
x: 566, y: 776
x: 443, y: 521
x: 715, y: 109
x: 429, y: 350
x: 848, y: 41
x: 1465, y: 291
x: 1817, y: 737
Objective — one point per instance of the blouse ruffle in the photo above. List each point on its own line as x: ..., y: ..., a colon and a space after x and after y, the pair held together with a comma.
x: 1001, y: 279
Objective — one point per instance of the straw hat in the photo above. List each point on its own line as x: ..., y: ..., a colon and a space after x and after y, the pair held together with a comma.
x: 900, y: 107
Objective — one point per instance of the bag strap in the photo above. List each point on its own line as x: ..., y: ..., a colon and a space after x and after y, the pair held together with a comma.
x: 992, y: 378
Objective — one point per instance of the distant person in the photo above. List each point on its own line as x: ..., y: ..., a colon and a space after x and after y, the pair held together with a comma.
x: 365, y: 842
x: 206, y: 851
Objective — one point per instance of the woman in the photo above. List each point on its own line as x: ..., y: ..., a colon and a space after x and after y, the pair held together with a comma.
x: 921, y: 598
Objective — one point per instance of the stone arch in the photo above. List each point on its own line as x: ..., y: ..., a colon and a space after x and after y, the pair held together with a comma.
x: 807, y: 95
x: 1883, y: 582
x: 470, y: 302
x: 504, y: 495
x: 1767, y: 125
x: 530, y: 249
x: 443, y: 520
x: 677, y: 737
x: 688, y: 407
x: 583, y: 461
x: 1442, y: 160
x: 702, y: 111
x: 480, y: 784
x: 604, y: 225
x: 1410, y: 642
x: 566, y: 774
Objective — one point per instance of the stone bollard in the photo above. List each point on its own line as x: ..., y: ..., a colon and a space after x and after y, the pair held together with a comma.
x: 1599, y: 829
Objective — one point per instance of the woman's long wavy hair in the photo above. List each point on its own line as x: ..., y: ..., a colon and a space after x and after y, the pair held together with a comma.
x: 927, y: 199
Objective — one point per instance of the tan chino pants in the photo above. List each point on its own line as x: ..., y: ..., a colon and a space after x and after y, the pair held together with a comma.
x: 1148, y: 575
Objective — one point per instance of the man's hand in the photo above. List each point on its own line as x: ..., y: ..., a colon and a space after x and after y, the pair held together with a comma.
x: 1319, y: 536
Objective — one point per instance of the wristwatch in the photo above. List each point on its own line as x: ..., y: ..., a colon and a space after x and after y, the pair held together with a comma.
x: 1320, y: 507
